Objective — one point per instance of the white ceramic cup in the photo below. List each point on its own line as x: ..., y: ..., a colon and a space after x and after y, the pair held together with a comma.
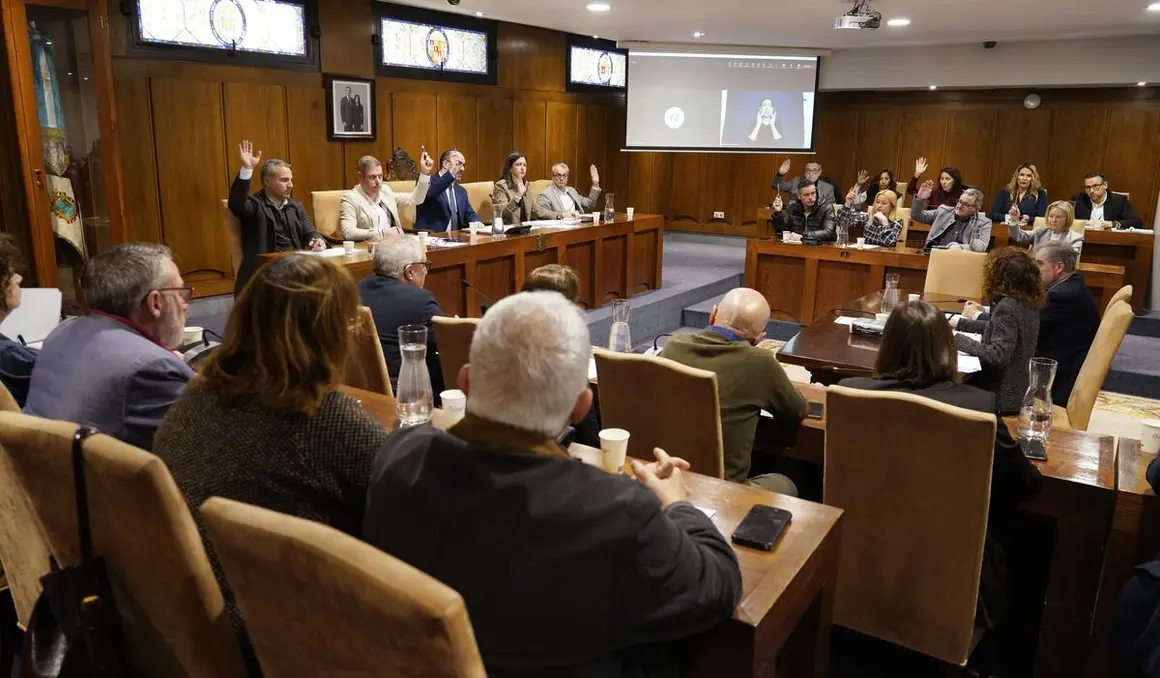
x: 192, y: 334
x: 348, y: 247
x: 1150, y: 435
x: 614, y: 445
x: 913, y: 297
x: 629, y: 212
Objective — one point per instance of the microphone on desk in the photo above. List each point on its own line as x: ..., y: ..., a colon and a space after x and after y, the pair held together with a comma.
x: 482, y: 307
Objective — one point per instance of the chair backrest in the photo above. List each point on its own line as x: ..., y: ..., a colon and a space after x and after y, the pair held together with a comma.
x: 1077, y: 225
x: 233, y: 236
x: 1127, y: 196
x: 406, y: 212
x: 171, y: 608
x: 535, y: 188
x: 24, y: 550
x: 453, y: 336
x: 366, y: 366
x: 1123, y: 294
x: 955, y: 272
x: 326, y: 213
x: 912, y: 543
x: 1113, y: 327
x: 665, y: 404
x: 479, y: 193
x: 905, y: 218
x: 361, y: 609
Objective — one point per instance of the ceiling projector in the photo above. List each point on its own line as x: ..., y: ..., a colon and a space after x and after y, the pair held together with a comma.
x: 861, y: 17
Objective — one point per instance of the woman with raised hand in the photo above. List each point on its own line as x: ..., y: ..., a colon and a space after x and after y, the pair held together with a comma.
x: 947, y: 191
x: 1060, y: 216
x: 879, y: 223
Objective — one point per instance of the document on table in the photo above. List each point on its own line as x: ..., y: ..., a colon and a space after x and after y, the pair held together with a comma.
x: 332, y: 252
x: 552, y: 223
x: 444, y: 242
x: 36, y: 316
x: 969, y: 364
x: 846, y: 320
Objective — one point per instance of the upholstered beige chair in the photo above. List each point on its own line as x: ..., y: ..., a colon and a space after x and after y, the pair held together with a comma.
x: 665, y: 404
x: 453, y: 336
x: 325, y: 204
x: 899, y: 507
x: 479, y: 193
x: 1113, y: 327
x: 957, y: 273
x: 1123, y: 294
x: 535, y: 188
x: 24, y: 549
x: 366, y: 367
x: 903, y: 216
x: 233, y: 229
x: 406, y: 212
x: 173, y: 616
x: 320, y: 603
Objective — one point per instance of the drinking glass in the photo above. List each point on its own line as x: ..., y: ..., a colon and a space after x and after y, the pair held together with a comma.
x: 413, y: 397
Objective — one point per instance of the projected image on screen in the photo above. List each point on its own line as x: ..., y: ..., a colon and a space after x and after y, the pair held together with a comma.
x: 726, y: 102
x: 598, y: 67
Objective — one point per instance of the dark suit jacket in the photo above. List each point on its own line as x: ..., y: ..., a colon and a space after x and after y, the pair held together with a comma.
x: 394, y: 303
x: 819, y: 225
x: 435, y: 211
x: 1031, y: 206
x: 16, y: 363
x: 568, y: 571
x: 1117, y: 208
x: 1067, y: 328
x: 100, y: 371
x: 258, y: 216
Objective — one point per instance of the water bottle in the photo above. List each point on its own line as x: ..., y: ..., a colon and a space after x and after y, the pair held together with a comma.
x: 609, y: 209
x: 1035, y: 414
x: 413, y: 397
x: 497, y: 225
x: 619, y: 337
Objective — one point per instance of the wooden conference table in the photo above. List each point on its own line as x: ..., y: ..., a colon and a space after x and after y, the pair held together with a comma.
x: 613, y: 260
x: 787, y: 594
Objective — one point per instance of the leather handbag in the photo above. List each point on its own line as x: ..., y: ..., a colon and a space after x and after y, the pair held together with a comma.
x: 75, y: 630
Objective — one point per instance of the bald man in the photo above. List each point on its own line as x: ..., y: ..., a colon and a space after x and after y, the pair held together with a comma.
x: 749, y: 380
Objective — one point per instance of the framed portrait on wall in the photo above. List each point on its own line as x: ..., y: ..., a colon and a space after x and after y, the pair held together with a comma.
x: 351, y: 113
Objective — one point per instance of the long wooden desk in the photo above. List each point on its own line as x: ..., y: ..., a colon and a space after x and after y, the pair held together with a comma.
x: 787, y: 593
x: 1078, y: 494
x: 1130, y: 249
x: 612, y: 260
x: 804, y: 283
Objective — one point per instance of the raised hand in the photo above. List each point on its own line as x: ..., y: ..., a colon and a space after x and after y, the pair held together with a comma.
x: 919, y: 167
x: 595, y: 175
x: 777, y: 204
x: 1024, y: 220
x: 851, y: 197
x: 925, y: 190
x: 249, y: 160
x: 863, y: 177
x: 426, y: 163
x: 521, y: 187
x: 1013, y: 212
x: 784, y: 169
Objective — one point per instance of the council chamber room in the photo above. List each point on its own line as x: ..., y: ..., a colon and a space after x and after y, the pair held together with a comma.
x: 579, y: 339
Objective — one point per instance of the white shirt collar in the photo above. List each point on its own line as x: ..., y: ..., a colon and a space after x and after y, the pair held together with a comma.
x: 1100, y: 203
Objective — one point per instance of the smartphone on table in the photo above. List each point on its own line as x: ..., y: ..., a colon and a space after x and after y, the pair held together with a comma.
x: 761, y: 527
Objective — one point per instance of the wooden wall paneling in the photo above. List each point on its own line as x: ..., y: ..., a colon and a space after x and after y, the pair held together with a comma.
x: 720, y: 192
x: 256, y: 113
x: 754, y: 187
x: 970, y: 146
x: 688, y: 188
x: 582, y: 258
x: 644, y: 174
x: 345, y: 44
x: 138, y: 159
x: 495, y: 134
x: 531, y: 58
x: 1132, y: 158
x: 383, y: 145
x: 1021, y: 136
x: 318, y: 163
x: 878, y: 139
x: 413, y: 124
x: 1077, y: 147
x: 192, y: 172
x: 836, y: 141
x: 456, y: 124
x: 529, y: 134
x: 924, y: 131
x: 561, y: 143
x: 618, y: 163
x: 590, y: 145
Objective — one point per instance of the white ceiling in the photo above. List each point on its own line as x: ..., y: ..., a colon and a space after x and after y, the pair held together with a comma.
x: 809, y: 23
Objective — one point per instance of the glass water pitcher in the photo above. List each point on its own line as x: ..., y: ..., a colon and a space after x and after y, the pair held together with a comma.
x: 619, y: 338
x: 609, y: 207
x: 1035, y: 414
x: 890, y: 293
x: 413, y: 397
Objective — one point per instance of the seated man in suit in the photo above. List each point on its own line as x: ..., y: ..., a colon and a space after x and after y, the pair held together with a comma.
x: 563, y: 201
x: 271, y: 220
x: 395, y: 295
x: 749, y: 380
x: 960, y: 227
x: 807, y: 215
x: 447, y: 207
x: 828, y: 189
x: 630, y: 567
x: 368, y: 211
x: 1098, y: 204
x: 114, y: 369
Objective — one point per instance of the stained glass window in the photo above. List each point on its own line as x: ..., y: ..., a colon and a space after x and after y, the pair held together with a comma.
x: 258, y: 26
x: 430, y: 47
x: 598, y: 67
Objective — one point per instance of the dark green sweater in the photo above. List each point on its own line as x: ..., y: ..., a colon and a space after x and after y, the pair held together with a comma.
x: 749, y: 380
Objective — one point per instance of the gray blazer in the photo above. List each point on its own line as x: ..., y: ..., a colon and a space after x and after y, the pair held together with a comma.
x: 976, y: 237
x: 1008, y: 346
x: 99, y: 371
x: 550, y: 200
x: 1043, y: 234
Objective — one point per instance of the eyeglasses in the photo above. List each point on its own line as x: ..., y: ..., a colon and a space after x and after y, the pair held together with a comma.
x: 1094, y: 186
x: 425, y: 264
x: 559, y: 175
x: 185, y: 293
x: 960, y: 203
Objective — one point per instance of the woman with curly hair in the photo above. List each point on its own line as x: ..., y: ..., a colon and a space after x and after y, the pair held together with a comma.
x: 16, y: 359
x: 1013, y: 288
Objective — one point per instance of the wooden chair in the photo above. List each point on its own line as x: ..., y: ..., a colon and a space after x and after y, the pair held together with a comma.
x: 366, y: 367
x: 233, y: 236
x: 172, y: 612
x: 1109, y: 336
x: 325, y: 204
x: 453, y: 337
x: 955, y: 273
x: 1123, y: 294
x: 479, y: 193
x: 406, y: 212
x: 363, y: 612
x: 899, y: 507
x: 1077, y: 225
x: 535, y: 188
x: 665, y: 404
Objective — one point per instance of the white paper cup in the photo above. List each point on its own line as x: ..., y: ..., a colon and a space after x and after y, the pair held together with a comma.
x: 454, y: 406
x: 785, y: 236
x: 348, y: 247
x: 614, y: 445
x: 629, y: 212
x: 192, y: 334
x: 1150, y: 435
x: 913, y: 297
x: 595, y: 218
x: 861, y: 242
x: 881, y: 317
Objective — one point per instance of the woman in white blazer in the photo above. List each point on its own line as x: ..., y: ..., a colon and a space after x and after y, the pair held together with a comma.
x: 1060, y: 217
x: 370, y: 209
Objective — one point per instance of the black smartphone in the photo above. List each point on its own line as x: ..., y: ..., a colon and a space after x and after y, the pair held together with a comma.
x: 816, y: 410
x: 1033, y: 449
x: 761, y: 528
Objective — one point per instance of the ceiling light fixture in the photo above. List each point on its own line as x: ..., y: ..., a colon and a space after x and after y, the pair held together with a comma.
x: 698, y: 34
x: 1141, y: 84
x: 479, y: 14
x: 933, y: 87
x: 1154, y: 7
x: 898, y: 22
x: 599, y: 7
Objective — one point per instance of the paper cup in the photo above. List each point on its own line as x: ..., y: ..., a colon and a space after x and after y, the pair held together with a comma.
x: 596, y: 218
x: 861, y: 242
x: 629, y: 213
x: 1150, y: 435
x: 881, y: 317
x: 348, y: 247
x: 614, y: 446
x: 912, y: 297
x: 785, y: 236
x: 192, y: 334
x: 454, y: 406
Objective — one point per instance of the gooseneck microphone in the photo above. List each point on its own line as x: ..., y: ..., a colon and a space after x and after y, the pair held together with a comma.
x: 482, y: 307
